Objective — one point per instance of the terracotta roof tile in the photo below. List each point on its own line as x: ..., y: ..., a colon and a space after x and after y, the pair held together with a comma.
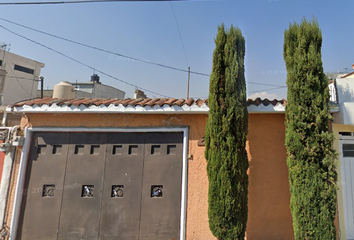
x: 170, y: 101
x: 125, y: 102
x: 143, y: 102
x: 266, y: 102
x: 161, y: 102
x: 152, y: 102
x: 189, y: 102
x: 135, y: 102
x: 179, y: 102
x: 116, y: 102
x: 200, y: 102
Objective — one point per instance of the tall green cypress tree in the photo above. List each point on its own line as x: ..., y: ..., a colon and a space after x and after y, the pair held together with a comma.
x: 311, y: 160
x: 225, y: 137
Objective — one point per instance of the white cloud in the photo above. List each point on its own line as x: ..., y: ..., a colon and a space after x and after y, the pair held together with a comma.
x: 263, y: 95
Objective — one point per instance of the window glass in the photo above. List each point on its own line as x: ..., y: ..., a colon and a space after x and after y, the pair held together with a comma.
x: 23, y: 69
x: 348, y: 150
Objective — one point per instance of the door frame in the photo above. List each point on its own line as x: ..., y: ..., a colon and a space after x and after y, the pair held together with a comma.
x: 28, y: 132
x: 343, y: 140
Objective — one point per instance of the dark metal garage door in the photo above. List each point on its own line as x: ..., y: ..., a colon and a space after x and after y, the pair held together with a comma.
x: 102, y: 186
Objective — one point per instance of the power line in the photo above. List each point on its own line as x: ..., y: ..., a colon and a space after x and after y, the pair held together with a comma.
x: 124, y: 56
x: 180, y: 35
x: 266, y: 84
x: 22, y: 78
x: 81, y: 63
x: 117, y: 54
x: 268, y: 89
x: 104, y: 50
x: 81, y: 1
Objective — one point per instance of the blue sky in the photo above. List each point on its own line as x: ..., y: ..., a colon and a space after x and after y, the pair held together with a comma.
x: 148, y: 31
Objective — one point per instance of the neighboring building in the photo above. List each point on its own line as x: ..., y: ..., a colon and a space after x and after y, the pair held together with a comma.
x: 91, y: 89
x: 135, y: 169
x: 19, y: 78
x: 139, y: 94
x: 348, y: 75
x: 46, y: 93
x: 22, y: 77
x: 344, y: 75
x: 343, y: 129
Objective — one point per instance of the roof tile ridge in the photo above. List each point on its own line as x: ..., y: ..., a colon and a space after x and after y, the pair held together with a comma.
x: 189, y: 102
x: 170, y: 101
x: 134, y: 102
x: 125, y: 102
x: 105, y: 101
x: 179, y: 102
x: 152, y: 102
x: 144, y: 101
x: 161, y: 101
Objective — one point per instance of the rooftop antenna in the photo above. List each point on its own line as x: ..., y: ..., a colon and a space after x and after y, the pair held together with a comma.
x: 3, y: 48
x: 189, y: 75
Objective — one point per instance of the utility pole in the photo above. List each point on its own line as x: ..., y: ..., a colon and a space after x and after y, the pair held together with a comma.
x: 3, y: 77
x: 41, y: 79
x: 3, y: 47
x: 189, y: 74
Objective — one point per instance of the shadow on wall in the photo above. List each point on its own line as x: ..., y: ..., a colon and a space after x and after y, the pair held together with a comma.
x: 345, y: 91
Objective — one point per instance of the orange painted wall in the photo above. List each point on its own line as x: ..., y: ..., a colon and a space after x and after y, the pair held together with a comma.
x: 269, y: 212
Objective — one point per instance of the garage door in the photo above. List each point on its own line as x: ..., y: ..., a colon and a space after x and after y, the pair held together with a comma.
x: 102, y: 186
x: 347, y: 169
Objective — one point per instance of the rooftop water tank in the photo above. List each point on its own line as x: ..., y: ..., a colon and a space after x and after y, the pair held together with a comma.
x: 95, y: 78
x: 63, y: 90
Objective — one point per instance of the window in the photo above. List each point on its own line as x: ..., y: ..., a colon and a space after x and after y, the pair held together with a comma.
x: 23, y: 69
x: 348, y: 150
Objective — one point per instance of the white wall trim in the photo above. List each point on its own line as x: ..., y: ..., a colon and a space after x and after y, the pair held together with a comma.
x: 19, y: 185
x: 341, y: 170
x: 25, y: 153
x: 156, y: 109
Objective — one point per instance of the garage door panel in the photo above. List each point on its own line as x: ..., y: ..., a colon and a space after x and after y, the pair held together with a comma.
x: 161, y: 193
x: 81, y: 203
x: 44, y: 186
x: 106, y: 186
x: 122, y: 190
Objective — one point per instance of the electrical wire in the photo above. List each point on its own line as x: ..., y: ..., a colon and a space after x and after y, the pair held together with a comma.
x: 266, y: 84
x: 81, y: 63
x: 23, y: 78
x: 118, y: 54
x: 125, y: 56
x: 80, y: 1
x: 106, y: 51
x: 268, y: 89
x: 179, y: 32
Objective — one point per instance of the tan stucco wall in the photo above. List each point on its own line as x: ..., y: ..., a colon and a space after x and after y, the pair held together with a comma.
x: 269, y: 213
x: 269, y: 196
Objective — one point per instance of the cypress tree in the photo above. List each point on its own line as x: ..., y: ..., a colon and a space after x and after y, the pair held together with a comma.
x: 225, y: 137
x: 311, y: 159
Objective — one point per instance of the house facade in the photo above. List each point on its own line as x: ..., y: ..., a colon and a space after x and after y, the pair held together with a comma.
x: 135, y: 169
